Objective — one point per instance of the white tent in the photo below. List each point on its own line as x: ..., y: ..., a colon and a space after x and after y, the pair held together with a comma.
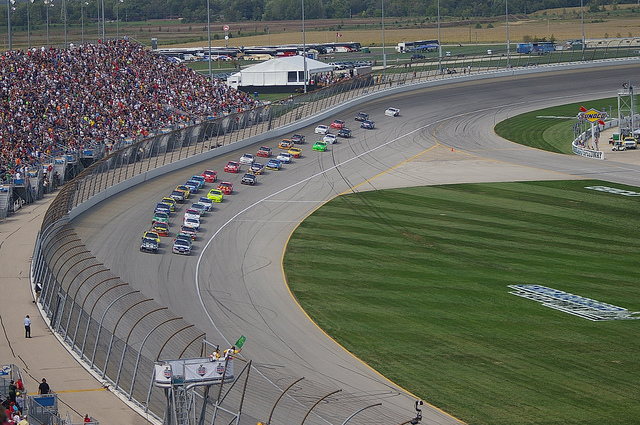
x: 278, y: 72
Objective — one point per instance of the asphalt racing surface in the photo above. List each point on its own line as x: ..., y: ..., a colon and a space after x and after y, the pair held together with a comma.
x: 233, y: 283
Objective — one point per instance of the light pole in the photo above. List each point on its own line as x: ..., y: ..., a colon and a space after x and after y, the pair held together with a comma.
x: 439, y: 43
x: 48, y: 4
x: 118, y: 18
x: 29, y: 22
x: 582, y: 23
x: 64, y: 18
x: 384, y: 54
x: 83, y: 4
x: 9, y: 3
x: 103, y: 31
x: 506, y: 14
x: 304, y: 52
x: 209, y: 34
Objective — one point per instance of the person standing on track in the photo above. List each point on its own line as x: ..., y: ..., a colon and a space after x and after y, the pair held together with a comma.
x: 27, y: 327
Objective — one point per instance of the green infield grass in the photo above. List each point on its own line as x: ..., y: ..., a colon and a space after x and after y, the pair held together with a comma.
x: 545, y: 129
x: 415, y: 282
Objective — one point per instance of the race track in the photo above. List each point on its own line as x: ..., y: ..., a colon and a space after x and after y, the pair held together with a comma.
x: 233, y: 283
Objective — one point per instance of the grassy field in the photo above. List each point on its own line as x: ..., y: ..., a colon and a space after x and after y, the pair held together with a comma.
x: 545, y: 129
x: 559, y: 24
x: 415, y: 282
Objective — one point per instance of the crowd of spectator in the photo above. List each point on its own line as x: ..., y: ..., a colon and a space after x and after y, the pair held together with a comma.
x: 54, y: 100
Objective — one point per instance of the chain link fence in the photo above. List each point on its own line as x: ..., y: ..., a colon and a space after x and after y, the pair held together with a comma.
x: 116, y: 330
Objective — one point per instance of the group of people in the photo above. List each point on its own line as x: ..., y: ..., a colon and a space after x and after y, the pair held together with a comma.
x: 13, y: 405
x: 56, y: 101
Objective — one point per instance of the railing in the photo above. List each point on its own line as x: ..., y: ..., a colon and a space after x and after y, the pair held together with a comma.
x: 113, y: 328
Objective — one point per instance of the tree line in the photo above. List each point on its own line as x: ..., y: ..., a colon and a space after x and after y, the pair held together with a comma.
x: 271, y: 10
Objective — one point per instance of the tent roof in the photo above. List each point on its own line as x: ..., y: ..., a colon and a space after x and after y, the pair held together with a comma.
x: 289, y: 63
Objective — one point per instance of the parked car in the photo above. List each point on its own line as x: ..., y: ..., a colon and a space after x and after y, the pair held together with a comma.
x: 416, y: 56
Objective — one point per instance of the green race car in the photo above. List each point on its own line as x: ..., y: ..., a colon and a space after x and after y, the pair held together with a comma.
x: 215, y: 195
x: 320, y: 146
x: 160, y: 217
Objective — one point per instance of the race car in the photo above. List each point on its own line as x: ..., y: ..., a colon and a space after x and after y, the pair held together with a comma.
x: 184, y: 189
x: 161, y: 217
x: 284, y: 157
x: 232, y: 167
x: 210, y: 176
x: 181, y: 246
x: 362, y: 116
x: 321, y: 129
x: 344, y: 132
x: 193, y: 223
x: 151, y: 235
x: 177, y: 196
x: 169, y: 201
x: 226, y: 187
x: 368, y: 124
x: 337, y: 124
x: 246, y: 159
x: 320, y: 146
x: 298, y: 139
x: 191, y: 213
x: 392, y: 112
x: 189, y: 231
x: 264, y: 152
x: 200, y: 180
x: 256, y: 168
x: 185, y: 237
x: 149, y: 245
x: 330, y: 138
x: 215, y: 195
x: 206, y: 202
x: 249, y: 179
x: 162, y: 207
x: 200, y: 207
x: 285, y: 144
x: 273, y: 164
x: 193, y: 186
x: 295, y: 152
x: 162, y: 229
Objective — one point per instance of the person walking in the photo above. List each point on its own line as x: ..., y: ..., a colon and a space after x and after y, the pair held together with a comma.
x: 44, y: 388
x: 27, y: 327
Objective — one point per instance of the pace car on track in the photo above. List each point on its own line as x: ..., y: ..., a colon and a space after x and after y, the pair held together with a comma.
x: 368, y: 124
x: 264, y: 152
x: 210, y: 176
x: 215, y: 195
x: 320, y: 146
x: 273, y: 164
x: 232, y: 167
x: 226, y: 187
